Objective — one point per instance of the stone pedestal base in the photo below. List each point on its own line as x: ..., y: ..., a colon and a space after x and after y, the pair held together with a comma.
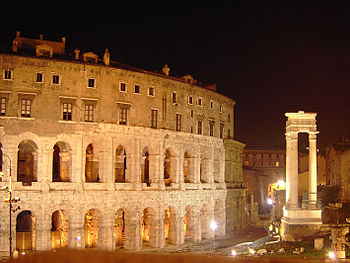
x: 299, y: 223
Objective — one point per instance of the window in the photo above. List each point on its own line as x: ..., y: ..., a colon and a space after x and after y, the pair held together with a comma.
x: 211, y: 104
x: 228, y: 134
x: 220, y: 108
x: 228, y: 118
x: 3, y: 106
x: 122, y: 87
x: 123, y: 115
x: 178, y: 122
x: 211, y: 128
x: 173, y: 98
x: 151, y: 91
x: 221, y: 130
x: 55, y: 79
x: 8, y: 74
x: 137, y: 89
x: 190, y: 100
x: 26, y: 108
x: 91, y: 83
x: 154, y: 117
x: 39, y: 77
x: 199, y: 101
x: 89, y: 112
x: 200, y: 124
x: 192, y: 113
x: 67, y: 111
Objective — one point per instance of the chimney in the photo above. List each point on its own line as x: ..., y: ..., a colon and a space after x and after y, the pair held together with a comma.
x: 106, y: 57
x: 63, y: 40
x: 77, y: 52
x: 41, y: 36
x: 166, y: 70
x: 18, y: 34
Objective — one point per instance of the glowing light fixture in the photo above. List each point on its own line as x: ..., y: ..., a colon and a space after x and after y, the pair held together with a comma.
x: 213, y: 225
x: 234, y: 253
x: 331, y: 255
x: 270, y: 201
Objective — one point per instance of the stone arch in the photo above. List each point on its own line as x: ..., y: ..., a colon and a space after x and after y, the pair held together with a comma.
x: 145, y: 162
x: 27, y: 158
x: 91, y: 165
x: 170, y: 229
x: 61, y: 162
x: 25, y: 231
x: 59, y: 229
x: 188, y: 167
x: 91, y: 228
x: 188, y: 223
x: 120, y: 165
x: 204, y: 218
x: 170, y: 167
x: 148, y: 227
x: 119, y: 228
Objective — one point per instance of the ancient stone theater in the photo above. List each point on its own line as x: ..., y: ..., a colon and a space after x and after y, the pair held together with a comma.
x: 105, y: 155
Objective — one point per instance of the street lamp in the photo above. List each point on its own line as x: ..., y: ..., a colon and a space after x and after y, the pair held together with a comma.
x: 10, y: 200
x: 213, y: 227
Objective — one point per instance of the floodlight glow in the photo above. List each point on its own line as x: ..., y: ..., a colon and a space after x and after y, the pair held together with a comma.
x: 270, y: 201
x: 331, y: 255
x: 234, y: 253
x: 281, y: 183
x: 213, y: 225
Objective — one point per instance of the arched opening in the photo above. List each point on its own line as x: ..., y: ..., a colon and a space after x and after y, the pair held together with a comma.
x: 91, y: 165
x: 170, y: 225
x: 91, y: 229
x: 119, y: 229
x: 148, y: 228
x: 145, y: 167
x: 204, y: 222
x: 169, y: 167
x: 120, y: 165
x: 25, y: 231
x: 188, y: 168
x: 27, y: 162
x: 188, y: 224
x: 219, y: 218
x: 59, y: 229
x: 61, y: 162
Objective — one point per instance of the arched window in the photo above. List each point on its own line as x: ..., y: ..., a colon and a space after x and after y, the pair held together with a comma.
x: 120, y: 165
x: 145, y: 167
x: 91, y: 165
x: 27, y: 162
x: 61, y: 161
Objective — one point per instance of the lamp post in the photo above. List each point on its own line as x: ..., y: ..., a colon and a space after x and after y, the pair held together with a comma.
x: 10, y: 200
x: 213, y: 227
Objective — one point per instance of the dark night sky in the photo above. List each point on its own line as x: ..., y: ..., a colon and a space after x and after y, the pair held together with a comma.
x: 271, y: 57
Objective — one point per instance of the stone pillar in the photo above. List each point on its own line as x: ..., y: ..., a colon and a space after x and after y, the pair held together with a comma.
x: 105, y: 239
x: 312, y: 170
x: 133, y: 231
x: 197, y: 230
x: 135, y: 170
x: 43, y: 232
x: 292, y: 152
x: 76, y: 229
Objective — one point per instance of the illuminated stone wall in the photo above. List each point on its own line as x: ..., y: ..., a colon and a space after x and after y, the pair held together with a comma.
x: 93, y: 170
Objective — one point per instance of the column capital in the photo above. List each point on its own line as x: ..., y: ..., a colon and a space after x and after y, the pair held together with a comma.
x: 291, y: 136
x: 313, y: 135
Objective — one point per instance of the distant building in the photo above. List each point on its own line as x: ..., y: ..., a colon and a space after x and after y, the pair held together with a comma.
x: 105, y: 155
x: 338, y: 169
